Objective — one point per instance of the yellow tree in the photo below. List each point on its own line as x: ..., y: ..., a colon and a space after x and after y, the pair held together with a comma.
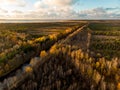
x: 43, y: 53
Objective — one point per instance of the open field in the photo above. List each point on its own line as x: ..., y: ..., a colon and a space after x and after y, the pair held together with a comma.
x: 72, y: 55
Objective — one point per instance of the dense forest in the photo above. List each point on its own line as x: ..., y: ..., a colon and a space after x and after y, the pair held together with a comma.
x: 85, y: 56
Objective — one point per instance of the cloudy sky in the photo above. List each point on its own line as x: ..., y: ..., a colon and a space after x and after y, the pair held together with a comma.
x: 59, y: 9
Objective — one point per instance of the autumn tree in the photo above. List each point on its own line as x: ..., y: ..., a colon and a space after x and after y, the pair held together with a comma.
x: 43, y: 53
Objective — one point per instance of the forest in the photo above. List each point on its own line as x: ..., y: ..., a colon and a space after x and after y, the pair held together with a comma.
x: 71, y: 55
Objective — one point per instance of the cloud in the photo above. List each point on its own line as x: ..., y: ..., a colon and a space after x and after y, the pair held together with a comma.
x: 114, y: 8
x: 2, y: 11
x: 67, y: 13
x: 64, y: 9
x: 17, y: 12
x: 55, y: 13
x: 100, y: 13
x: 93, y: 12
x: 62, y: 2
x: 48, y: 3
x: 55, y: 8
x: 20, y: 3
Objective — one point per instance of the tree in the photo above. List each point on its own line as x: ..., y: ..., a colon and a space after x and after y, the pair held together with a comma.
x: 118, y: 86
x: 43, y: 53
x: 28, y: 69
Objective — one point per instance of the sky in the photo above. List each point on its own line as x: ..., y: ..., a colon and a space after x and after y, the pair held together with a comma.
x: 59, y: 9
